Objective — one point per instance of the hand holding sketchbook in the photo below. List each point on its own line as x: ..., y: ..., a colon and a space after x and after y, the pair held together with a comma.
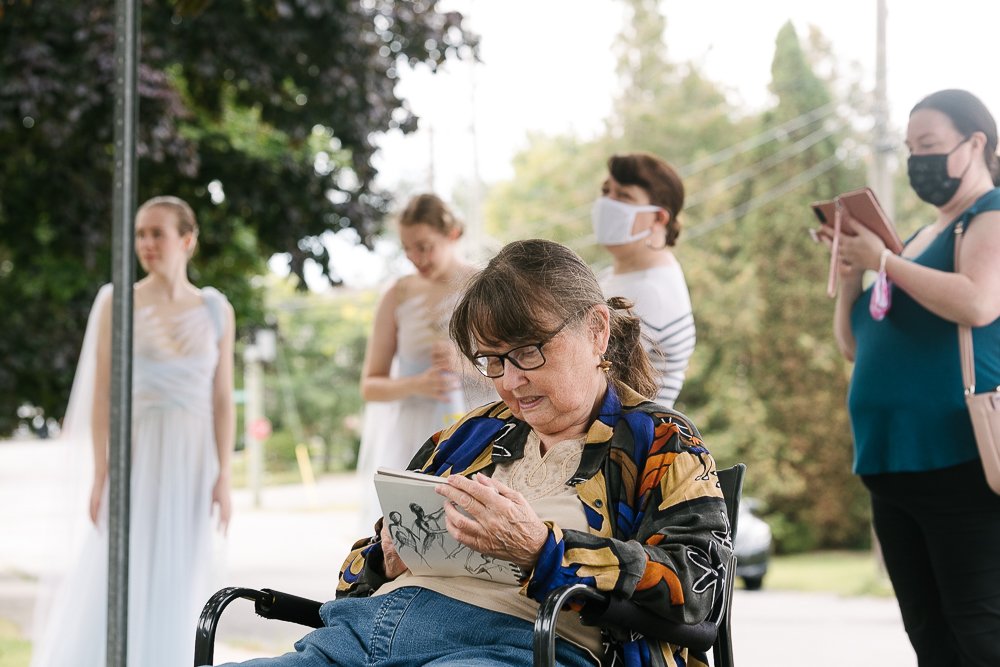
x: 862, y: 207
x: 414, y: 514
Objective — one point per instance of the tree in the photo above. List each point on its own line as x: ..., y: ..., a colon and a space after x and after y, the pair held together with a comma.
x: 260, y: 113
x: 803, y: 453
x: 766, y: 384
x: 314, y: 393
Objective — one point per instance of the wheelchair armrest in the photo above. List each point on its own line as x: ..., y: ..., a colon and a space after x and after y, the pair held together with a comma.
x: 544, y: 638
x: 267, y: 603
x: 284, y: 607
x: 607, y: 611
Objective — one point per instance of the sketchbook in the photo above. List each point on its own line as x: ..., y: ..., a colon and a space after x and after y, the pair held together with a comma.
x: 414, y: 514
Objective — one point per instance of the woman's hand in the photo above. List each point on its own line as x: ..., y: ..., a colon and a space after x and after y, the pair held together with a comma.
x: 222, y: 496
x: 436, y: 383
x: 859, y: 251
x: 392, y: 564
x: 96, y: 494
x: 445, y: 356
x: 491, y: 518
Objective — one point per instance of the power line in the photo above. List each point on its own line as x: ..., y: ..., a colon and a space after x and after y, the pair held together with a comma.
x: 738, y: 148
x: 760, y: 166
x: 767, y: 197
x: 784, y: 154
x: 758, y: 140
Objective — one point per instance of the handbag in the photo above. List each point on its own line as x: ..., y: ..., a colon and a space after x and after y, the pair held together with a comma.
x: 984, y: 409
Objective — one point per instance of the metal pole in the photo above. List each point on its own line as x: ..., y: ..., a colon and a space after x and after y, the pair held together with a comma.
x: 126, y: 118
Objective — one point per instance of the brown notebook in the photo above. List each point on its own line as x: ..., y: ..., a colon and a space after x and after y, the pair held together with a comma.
x: 863, y: 207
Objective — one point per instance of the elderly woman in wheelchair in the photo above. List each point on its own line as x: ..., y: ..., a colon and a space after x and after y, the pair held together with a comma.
x: 574, y: 477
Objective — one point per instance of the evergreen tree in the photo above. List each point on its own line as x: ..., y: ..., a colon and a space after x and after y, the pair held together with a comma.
x: 803, y: 461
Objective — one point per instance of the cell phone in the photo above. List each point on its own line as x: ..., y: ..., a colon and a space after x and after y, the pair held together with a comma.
x: 825, y: 211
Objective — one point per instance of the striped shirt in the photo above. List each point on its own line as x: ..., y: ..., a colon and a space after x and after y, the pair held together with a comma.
x: 662, y: 302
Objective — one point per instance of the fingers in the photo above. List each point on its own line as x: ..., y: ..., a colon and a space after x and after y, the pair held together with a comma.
x: 94, y: 510
x: 438, y: 384
x: 473, y: 496
x: 392, y: 564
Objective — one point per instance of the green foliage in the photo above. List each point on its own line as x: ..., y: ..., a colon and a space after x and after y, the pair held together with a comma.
x: 259, y: 113
x: 804, y: 459
x: 557, y: 178
x: 313, y: 395
x: 767, y: 384
x: 15, y: 651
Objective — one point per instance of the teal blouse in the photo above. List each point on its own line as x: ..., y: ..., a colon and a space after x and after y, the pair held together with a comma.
x: 906, y: 398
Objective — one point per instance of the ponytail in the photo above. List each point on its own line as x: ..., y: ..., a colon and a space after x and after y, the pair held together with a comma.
x: 630, y: 366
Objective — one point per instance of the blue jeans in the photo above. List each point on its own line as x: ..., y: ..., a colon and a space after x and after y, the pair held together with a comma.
x: 413, y: 627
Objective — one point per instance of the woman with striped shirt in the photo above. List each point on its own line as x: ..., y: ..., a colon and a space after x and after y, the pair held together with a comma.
x: 636, y: 220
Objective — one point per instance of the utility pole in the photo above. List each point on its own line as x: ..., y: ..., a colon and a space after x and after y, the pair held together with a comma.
x: 883, y: 145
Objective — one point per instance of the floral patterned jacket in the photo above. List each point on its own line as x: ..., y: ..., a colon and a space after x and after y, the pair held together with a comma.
x: 658, y: 528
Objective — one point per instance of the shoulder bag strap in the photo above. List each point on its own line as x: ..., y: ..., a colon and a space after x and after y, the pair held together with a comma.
x: 964, y: 332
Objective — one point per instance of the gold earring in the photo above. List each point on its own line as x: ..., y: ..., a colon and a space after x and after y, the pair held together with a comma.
x: 605, y: 365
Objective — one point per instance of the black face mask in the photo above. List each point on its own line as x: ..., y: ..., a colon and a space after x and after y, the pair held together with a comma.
x: 929, y: 176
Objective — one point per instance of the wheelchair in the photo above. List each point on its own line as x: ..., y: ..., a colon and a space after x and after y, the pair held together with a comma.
x: 601, y: 609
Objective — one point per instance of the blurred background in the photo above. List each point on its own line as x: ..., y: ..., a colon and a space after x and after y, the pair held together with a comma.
x: 297, y: 128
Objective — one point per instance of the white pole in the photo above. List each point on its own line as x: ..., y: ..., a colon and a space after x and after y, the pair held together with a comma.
x: 253, y: 386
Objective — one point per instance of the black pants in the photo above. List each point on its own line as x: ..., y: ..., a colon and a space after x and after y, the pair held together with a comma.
x: 940, y: 536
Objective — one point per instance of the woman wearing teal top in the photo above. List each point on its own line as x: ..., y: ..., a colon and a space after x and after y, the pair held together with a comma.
x: 936, y: 519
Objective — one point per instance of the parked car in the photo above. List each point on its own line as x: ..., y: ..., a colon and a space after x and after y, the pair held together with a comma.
x: 752, y: 545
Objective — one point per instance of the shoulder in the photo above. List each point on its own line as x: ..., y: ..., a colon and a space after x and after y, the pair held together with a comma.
x: 221, y: 311
x: 987, y: 219
x: 400, y: 290
x: 659, y: 296
x: 987, y: 207
x: 216, y: 299
x: 104, y: 295
x: 663, y: 425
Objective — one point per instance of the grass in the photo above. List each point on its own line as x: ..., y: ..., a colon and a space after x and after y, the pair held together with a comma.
x: 14, y: 651
x: 850, y: 573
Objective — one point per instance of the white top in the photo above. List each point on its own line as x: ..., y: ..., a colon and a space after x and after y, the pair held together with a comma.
x: 662, y: 302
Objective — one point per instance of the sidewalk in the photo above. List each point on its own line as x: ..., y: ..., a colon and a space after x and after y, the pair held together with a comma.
x: 295, y: 541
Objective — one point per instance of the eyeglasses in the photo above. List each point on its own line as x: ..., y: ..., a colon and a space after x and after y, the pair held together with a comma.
x: 525, y: 357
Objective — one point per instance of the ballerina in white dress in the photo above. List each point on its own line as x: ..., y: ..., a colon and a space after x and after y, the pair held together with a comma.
x: 183, y: 428
x: 414, y: 380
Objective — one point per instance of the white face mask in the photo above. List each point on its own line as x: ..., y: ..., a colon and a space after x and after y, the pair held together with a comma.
x: 613, y: 221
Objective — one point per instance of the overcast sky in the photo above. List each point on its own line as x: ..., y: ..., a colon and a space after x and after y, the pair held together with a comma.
x: 548, y: 66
